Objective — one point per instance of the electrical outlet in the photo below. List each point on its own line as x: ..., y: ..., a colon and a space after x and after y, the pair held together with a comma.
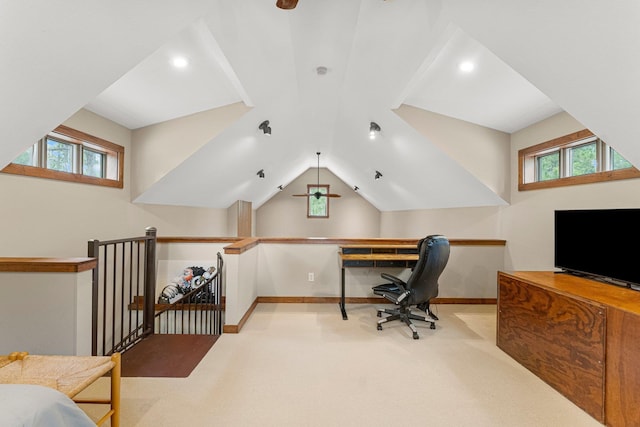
x: 311, y: 277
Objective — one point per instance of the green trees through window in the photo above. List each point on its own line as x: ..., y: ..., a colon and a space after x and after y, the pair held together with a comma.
x: 317, y: 207
x: 549, y: 166
x: 69, y: 155
x: 60, y: 155
x: 28, y: 157
x: 93, y: 163
x: 564, y: 160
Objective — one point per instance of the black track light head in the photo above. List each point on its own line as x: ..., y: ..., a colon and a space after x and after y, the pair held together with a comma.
x: 373, y: 130
x: 265, y: 128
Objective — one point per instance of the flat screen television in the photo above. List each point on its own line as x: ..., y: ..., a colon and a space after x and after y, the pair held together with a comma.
x: 599, y: 243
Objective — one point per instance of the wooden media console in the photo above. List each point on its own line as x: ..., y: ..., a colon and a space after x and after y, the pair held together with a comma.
x: 580, y: 336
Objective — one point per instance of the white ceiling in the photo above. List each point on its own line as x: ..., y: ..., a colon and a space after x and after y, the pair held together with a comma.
x: 292, y: 44
x: 532, y: 60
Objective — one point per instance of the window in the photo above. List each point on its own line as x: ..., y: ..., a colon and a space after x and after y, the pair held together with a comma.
x: 577, y: 158
x: 93, y: 163
x: 547, y: 166
x: 70, y: 155
x: 60, y: 155
x: 317, y: 207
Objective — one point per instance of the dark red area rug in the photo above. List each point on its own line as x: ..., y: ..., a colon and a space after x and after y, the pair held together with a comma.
x: 168, y: 356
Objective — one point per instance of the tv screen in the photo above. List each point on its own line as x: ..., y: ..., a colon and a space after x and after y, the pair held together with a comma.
x: 599, y: 243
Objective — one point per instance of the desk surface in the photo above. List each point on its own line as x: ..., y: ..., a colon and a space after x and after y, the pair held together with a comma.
x: 379, y: 257
x: 374, y: 256
x: 379, y: 246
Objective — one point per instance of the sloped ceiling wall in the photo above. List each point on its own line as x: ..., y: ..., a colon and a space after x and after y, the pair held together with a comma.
x: 58, y: 56
x: 582, y: 54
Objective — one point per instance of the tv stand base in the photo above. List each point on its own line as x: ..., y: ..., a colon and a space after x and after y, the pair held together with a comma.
x: 578, y: 335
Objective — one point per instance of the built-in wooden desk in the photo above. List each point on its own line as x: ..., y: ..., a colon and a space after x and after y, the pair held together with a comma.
x: 374, y: 256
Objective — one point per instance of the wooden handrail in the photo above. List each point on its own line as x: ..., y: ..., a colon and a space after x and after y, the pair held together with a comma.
x: 46, y: 265
x: 243, y: 245
x: 239, y: 245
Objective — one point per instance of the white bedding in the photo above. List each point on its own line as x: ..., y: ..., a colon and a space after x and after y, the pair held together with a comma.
x: 24, y: 405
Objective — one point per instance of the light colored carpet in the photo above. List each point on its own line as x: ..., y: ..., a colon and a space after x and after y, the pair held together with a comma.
x: 302, y: 365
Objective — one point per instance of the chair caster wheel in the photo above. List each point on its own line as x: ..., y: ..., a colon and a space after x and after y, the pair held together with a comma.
x: 416, y: 336
x: 433, y: 326
x: 379, y: 314
x: 379, y: 327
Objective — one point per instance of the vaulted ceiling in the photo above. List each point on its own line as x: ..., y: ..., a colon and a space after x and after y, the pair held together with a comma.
x: 531, y: 59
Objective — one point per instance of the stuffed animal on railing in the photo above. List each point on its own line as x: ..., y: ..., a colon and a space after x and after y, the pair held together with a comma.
x: 191, y: 278
x: 205, y: 295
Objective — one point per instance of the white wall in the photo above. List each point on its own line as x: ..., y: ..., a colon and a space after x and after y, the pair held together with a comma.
x: 53, y: 218
x: 270, y: 270
x: 482, y: 151
x: 161, y: 147
x: 283, y: 271
x: 241, y: 284
x: 461, y: 223
x: 286, y: 216
x: 42, y: 217
x: 528, y: 222
x: 46, y: 313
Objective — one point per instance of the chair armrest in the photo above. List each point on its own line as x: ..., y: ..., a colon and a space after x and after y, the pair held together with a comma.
x: 394, y: 280
x: 389, y: 296
x: 395, y: 291
x: 394, y: 297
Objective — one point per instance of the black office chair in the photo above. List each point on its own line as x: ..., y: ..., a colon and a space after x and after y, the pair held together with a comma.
x: 420, y: 287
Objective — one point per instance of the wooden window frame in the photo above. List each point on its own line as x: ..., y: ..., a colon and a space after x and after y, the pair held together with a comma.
x: 526, y: 167
x: 309, y: 189
x: 68, y: 134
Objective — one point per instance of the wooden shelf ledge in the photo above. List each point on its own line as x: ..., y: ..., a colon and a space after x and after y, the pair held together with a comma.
x: 46, y: 265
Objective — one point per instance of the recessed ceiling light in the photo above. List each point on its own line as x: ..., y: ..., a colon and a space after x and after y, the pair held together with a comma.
x: 180, y: 62
x: 467, y: 66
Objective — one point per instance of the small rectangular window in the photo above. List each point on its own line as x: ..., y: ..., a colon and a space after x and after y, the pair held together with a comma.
x: 93, y: 163
x: 582, y: 159
x: 576, y: 158
x: 548, y: 166
x: 60, y: 155
x: 67, y: 154
x: 318, y: 205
